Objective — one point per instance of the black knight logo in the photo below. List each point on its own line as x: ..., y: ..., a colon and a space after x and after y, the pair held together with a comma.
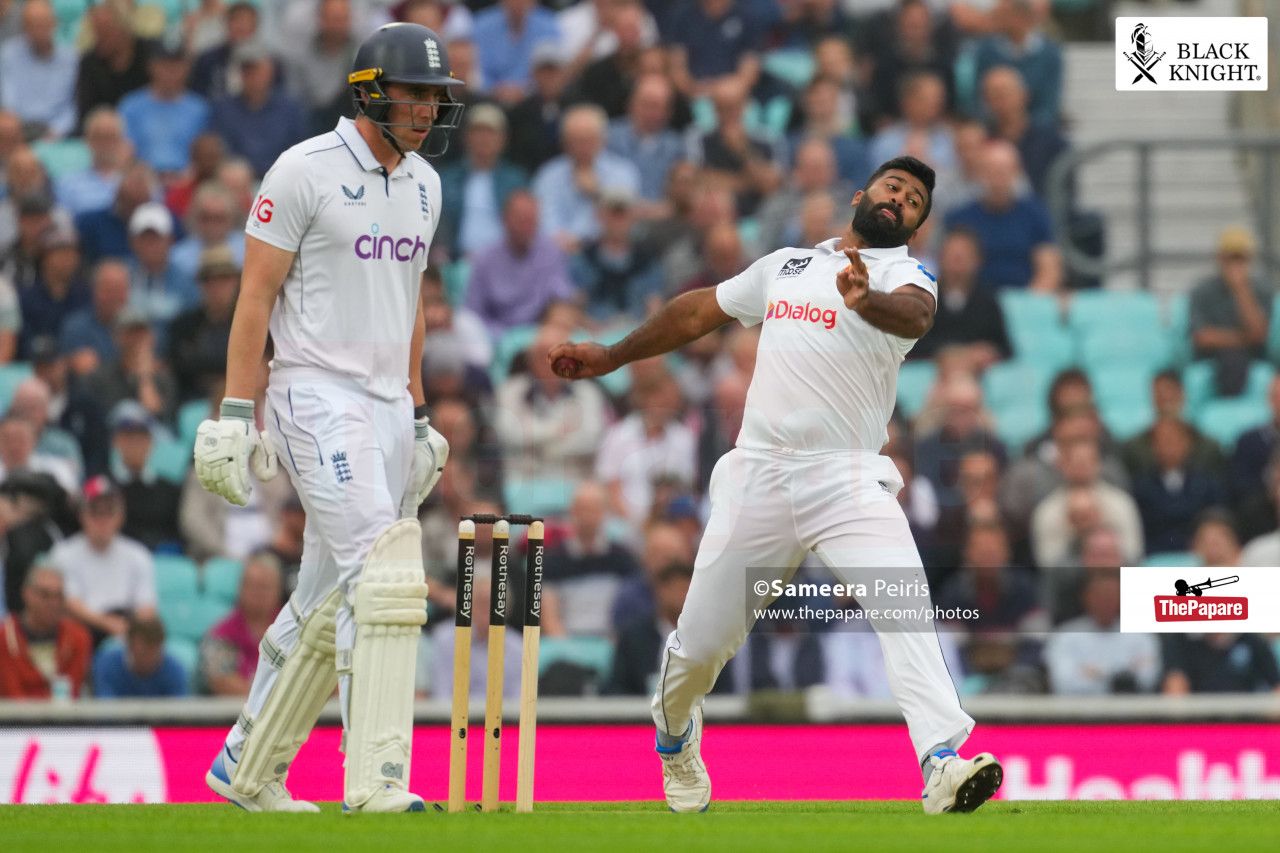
x: 1144, y: 57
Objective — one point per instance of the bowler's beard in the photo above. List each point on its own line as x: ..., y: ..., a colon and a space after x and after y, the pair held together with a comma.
x: 876, y: 229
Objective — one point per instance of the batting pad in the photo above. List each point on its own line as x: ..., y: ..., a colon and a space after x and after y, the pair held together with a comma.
x: 306, y: 680
x: 390, y: 606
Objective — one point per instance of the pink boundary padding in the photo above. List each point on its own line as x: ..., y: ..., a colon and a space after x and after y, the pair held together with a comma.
x: 807, y: 762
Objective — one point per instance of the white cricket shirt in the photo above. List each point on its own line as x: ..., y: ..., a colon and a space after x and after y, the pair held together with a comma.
x: 361, y: 239
x: 825, y: 379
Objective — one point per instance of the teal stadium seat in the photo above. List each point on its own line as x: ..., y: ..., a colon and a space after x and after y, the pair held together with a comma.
x: 538, y: 496
x: 594, y: 653
x: 1092, y: 310
x: 915, y: 379
x: 1177, y: 327
x: 186, y: 653
x: 1172, y: 558
x: 1224, y: 419
x: 189, y: 417
x: 513, y: 342
x: 1197, y: 383
x: 1015, y: 382
x: 1123, y: 395
x: 170, y: 458
x: 1017, y: 422
x: 220, y: 579
x: 63, y: 156
x: 177, y: 580
x: 795, y: 67
x: 457, y: 276
x: 191, y: 620
x: 1029, y: 317
x: 11, y: 376
x: 1137, y: 347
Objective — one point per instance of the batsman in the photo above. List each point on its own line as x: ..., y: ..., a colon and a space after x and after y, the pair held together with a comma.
x: 337, y: 243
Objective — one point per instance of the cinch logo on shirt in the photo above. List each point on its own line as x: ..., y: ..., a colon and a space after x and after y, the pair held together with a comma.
x: 377, y: 247
x: 784, y: 310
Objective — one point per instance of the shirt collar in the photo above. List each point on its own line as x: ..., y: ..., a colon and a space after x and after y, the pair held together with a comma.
x: 350, y: 135
x: 879, y: 254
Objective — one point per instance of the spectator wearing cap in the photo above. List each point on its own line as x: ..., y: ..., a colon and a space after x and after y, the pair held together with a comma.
x: 214, y: 72
x: 42, y: 646
x: 31, y: 402
x: 117, y: 63
x: 150, y: 503
x: 156, y: 287
x: 18, y: 454
x: 88, y: 335
x: 110, y: 577
x: 71, y: 406
x: 569, y: 186
x: 59, y: 292
x: 95, y: 188
x: 138, y: 373
x: 163, y: 119
x: 480, y: 183
x: 506, y: 35
x: 644, y: 136
x: 617, y: 275
x: 262, y: 119
x: 35, y: 216
x: 535, y: 120
x: 33, y: 62
x: 1230, y: 311
x: 198, y: 338
x: 318, y: 65
x: 211, y: 221
x: 712, y: 40
x: 139, y: 668
x: 229, y: 652
x: 105, y: 233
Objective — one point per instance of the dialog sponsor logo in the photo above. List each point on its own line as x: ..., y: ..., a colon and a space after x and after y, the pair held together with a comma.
x: 784, y: 310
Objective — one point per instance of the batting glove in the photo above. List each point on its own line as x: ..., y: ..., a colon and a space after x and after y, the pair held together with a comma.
x: 228, y: 448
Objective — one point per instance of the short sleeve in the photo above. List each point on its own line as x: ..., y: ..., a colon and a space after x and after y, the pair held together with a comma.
x: 910, y: 271
x: 745, y: 296
x: 286, y: 203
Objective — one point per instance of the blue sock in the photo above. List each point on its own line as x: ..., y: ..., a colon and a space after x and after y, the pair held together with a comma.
x: 938, y: 751
x: 670, y: 744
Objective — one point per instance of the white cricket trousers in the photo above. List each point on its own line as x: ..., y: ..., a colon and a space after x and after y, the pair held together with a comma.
x: 768, y: 509
x: 348, y: 455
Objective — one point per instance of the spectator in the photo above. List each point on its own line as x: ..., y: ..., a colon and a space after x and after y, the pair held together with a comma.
x: 42, y: 647
x: 71, y: 406
x: 211, y: 221
x: 968, y: 314
x: 95, y: 188
x: 214, y: 72
x: 647, y: 444
x: 535, y: 120
x: 1215, y: 541
x: 229, y: 652
x: 965, y: 427
x: 261, y: 120
x: 25, y: 179
x: 1168, y: 400
x: 10, y: 320
x: 820, y: 117
x: 722, y: 258
x: 273, y: 518
x: 208, y: 156
x: 963, y: 184
x: 317, y: 66
x: 139, y: 668
x: 31, y: 402
x: 616, y: 274
x: 34, y: 63
x: 1253, y: 452
x: 1218, y: 663
x: 978, y: 483
x: 638, y: 653
x: 1176, y: 492
x: 814, y: 172
x: 568, y: 186
x: 906, y: 40
x: 110, y: 578
x: 163, y: 119
x: 1015, y: 232
x: 105, y: 233
x: 481, y: 183
x: 198, y: 338
x: 1060, y: 521
x: 441, y: 638
x: 454, y: 334
x: 452, y: 20
x: 1020, y: 41
x: 150, y: 503
x: 549, y: 427
x: 1230, y: 312
x: 506, y: 35
x: 1039, y: 144
x: 472, y: 444
x: 609, y: 73
x: 644, y: 136
x: 721, y: 422
x: 35, y: 216
x: 748, y: 164
x: 1264, y: 549
x: 117, y: 63
x: 1088, y: 656
x: 137, y: 374
x: 88, y: 335
x: 235, y: 175
x: 710, y: 41
x: 661, y: 544
x: 923, y: 131
x: 18, y: 453
x: 513, y: 281
x: 11, y: 139
x: 156, y: 288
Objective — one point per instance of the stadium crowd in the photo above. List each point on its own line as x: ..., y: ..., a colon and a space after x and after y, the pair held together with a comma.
x: 613, y: 153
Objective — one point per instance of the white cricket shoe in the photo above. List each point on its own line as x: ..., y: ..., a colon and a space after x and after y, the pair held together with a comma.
x: 685, y: 780
x: 274, y: 796
x: 388, y: 799
x: 960, y: 785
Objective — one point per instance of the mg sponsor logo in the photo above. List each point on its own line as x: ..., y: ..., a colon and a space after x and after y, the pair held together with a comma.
x: 808, y: 313
x: 376, y: 246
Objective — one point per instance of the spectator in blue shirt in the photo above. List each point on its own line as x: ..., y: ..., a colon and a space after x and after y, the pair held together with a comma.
x: 1019, y: 41
x: 139, y: 668
x: 88, y: 335
x: 710, y: 40
x: 105, y: 233
x: 212, y: 220
x: 478, y: 186
x: 569, y: 186
x: 644, y: 136
x: 618, y: 277
x: 58, y: 292
x: 262, y: 120
x: 923, y: 131
x: 505, y: 36
x: 213, y: 71
x: 37, y: 75
x: 1015, y: 231
x: 95, y: 187
x: 157, y: 289
x: 163, y: 119
x: 1039, y: 145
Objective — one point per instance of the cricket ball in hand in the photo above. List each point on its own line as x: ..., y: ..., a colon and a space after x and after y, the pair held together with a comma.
x: 565, y: 367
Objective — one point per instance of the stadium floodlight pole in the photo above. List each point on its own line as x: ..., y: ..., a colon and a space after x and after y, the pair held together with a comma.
x: 531, y: 632
x: 497, y: 648
x: 462, y: 664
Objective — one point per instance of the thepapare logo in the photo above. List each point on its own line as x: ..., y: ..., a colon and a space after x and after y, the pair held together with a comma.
x: 1188, y: 605
x: 784, y: 310
x: 379, y: 247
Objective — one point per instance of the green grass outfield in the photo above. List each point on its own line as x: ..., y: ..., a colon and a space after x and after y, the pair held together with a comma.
x: 872, y: 827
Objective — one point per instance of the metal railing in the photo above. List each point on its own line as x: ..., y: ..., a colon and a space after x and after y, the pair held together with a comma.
x: 1259, y: 155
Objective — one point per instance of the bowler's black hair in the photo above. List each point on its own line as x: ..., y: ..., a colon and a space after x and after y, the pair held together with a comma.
x: 917, y: 169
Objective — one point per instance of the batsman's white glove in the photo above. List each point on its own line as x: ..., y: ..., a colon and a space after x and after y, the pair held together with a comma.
x: 430, y: 452
x: 226, y: 449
